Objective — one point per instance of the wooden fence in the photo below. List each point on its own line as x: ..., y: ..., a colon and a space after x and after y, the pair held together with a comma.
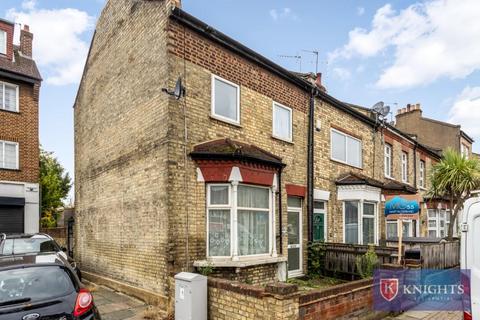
x: 340, y: 259
x: 440, y: 255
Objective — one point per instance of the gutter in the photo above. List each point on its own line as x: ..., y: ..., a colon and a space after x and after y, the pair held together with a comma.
x: 16, y: 76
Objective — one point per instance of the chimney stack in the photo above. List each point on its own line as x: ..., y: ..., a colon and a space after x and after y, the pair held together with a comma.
x: 26, y: 39
x: 318, y: 82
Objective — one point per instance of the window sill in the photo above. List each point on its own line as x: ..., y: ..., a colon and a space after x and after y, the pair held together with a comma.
x: 346, y: 164
x: 242, y: 263
x: 224, y: 120
x: 8, y: 169
x: 282, y: 139
x: 9, y: 111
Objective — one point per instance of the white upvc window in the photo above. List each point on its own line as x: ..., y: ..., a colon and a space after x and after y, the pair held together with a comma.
x: 438, y: 221
x: 247, y: 235
x: 392, y: 228
x: 3, y: 42
x: 345, y: 148
x: 9, y: 155
x: 388, y: 160
x: 282, y: 122
x: 360, y: 222
x: 422, y: 174
x: 9, y: 96
x: 404, y: 167
x: 225, y: 100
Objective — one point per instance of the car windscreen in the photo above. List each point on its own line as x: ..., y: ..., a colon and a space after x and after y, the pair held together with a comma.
x: 28, y: 245
x: 27, y: 285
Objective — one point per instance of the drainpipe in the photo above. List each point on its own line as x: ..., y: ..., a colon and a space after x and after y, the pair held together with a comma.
x: 310, y: 164
x: 280, y: 211
x: 415, y: 165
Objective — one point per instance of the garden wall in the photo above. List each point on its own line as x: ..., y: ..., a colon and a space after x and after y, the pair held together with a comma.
x: 281, y: 301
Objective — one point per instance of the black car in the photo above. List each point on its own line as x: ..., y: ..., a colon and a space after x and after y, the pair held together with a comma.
x: 41, y: 286
x: 15, y: 244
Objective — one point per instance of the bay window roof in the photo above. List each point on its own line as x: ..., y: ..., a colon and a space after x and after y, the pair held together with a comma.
x: 227, y: 149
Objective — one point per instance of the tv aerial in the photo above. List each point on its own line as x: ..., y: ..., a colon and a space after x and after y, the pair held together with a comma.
x: 179, y: 90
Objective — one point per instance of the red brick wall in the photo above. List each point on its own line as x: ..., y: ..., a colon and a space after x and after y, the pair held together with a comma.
x: 224, y: 63
x: 9, y: 29
x: 346, y: 301
x: 22, y: 127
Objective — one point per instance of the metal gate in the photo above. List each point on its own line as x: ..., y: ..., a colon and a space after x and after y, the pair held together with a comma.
x: 70, y: 235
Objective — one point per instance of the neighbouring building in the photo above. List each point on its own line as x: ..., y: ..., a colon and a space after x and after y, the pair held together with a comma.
x: 436, y: 134
x: 19, y: 146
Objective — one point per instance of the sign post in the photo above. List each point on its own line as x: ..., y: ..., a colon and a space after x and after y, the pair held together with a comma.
x: 399, y: 207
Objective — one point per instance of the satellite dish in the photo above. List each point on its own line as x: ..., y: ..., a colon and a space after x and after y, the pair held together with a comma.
x: 377, y: 107
x: 385, y: 111
x: 179, y: 90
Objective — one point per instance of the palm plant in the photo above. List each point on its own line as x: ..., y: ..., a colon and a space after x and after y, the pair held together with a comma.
x: 454, y: 178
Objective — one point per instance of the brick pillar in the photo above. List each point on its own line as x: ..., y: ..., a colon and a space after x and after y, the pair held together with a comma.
x: 26, y: 39
x: 281, y: 301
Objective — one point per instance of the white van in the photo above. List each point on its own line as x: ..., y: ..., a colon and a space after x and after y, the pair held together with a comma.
x: 470, y: 255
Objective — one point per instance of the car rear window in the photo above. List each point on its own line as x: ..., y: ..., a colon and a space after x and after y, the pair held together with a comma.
x: 34, y: 284
x: 28, y: 245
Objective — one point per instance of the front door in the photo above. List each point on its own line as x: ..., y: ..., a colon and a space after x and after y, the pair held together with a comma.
x: 294, y: 242
x: 319, y: 215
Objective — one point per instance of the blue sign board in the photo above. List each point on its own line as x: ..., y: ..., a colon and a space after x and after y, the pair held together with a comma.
x: 402, y: 207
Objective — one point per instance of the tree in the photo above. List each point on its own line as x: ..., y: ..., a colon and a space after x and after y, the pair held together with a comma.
x: 55, y: 184
x: 454, y: 178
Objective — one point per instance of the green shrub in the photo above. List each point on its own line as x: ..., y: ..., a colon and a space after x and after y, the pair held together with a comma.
x: 367, y: 263
x: 316, y: 258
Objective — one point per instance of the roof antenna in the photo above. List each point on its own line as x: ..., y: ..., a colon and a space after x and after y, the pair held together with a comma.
x: 297, y: 57
x: 381, y: 111
x: 314, y: 52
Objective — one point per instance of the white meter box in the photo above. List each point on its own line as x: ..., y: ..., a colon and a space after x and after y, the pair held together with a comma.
x: 190, y: 296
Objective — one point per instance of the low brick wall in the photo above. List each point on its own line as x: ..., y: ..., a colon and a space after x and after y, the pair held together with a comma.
x: 345, y: 301
x: 59, y: 234
x: 234, y: 300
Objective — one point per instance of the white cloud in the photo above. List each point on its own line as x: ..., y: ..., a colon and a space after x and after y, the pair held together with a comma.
x: 285, y: 13
x: 360, y: 11
x: 437, y: 38
x: 466, y: 111
x: 342, y: 73
x: 58, y: 47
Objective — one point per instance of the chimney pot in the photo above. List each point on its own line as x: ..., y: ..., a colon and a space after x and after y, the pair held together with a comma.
x: 26, y: 39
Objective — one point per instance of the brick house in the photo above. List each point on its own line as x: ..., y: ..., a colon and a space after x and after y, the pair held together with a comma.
x: 239, y: 174
x: 19, y: 145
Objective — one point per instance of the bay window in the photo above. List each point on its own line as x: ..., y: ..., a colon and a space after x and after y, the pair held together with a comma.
x: 438, y: 222
x: 360, y: 222
x: 345, y: 148
x: 247, y: 235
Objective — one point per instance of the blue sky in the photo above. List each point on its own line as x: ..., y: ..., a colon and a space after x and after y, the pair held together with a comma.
x: 397, y: 51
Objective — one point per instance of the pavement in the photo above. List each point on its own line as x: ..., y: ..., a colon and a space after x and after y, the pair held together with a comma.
x: 117, y: 306
x: 417, y: 313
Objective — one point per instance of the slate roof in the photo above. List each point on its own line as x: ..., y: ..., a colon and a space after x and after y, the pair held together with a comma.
x: 353, y: 178
x: 21, y: 66
x: 227, y: 149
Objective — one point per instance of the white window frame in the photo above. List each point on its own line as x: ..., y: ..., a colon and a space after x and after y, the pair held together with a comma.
x: 388, y: 160
x: 2, y: 161
x: 404, y: 166
x: 360, y: 220
x: 421, y: 180
x: 2, y: 98
x: 233, y: 207
x: 5, y: 42
x: 213, y: 113
x: 438, y: 219
x: 346, y: 148
x: 395, y: 222
x: 290, y: 133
